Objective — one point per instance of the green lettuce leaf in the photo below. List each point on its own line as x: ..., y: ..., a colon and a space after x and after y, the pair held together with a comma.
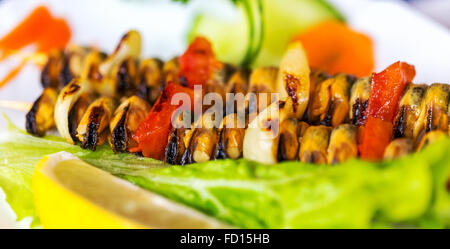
x: 19, y: 153
x: 295, y: 195
x: 410, y: 191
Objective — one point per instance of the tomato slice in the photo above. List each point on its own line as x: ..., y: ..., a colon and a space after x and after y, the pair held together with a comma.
x: 376, y: 137
x: 153, y: 132
x: 198, y: 63
x: 387, y: 88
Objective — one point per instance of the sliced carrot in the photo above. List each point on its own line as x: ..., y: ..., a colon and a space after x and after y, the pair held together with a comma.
x: 38, y: 28
x: 56, y: 36
x: 334, y: 47
x: 13, y: 73
x: 28, y: 31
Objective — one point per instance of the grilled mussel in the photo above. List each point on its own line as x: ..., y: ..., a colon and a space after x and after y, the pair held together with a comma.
x: 179, y: 139
x: 433, y: 110
x: 125, y: 122
x: 93, y: 127
x: 203, y: 139
x: 343, y: 144
x: 51, y: 71
x: 74, y: 57
x: 314, y: 145
x: 398, y: 148
x: 262, y: 85
x: 231, y: 138
x: 171, y: 71
x: 289, y: 142
x: 39, y: 118
x: 150, y: 79
x: 237, y: 87
x: 329, y: 104
x: 409, y: 111
x: 359, y: 101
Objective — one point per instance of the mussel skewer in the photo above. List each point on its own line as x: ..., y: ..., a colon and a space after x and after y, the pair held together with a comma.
x: 398, y: 148
x: 39, y: 118
x: 231, y: 138
x: 314, y: 145
x: 93, y: 128
x: 125, y: 122
x: 343, y: 144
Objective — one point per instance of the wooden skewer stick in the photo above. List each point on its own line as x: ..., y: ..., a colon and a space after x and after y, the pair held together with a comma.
x: 15, y: 105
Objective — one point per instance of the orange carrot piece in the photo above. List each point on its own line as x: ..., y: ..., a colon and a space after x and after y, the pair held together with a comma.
x: 334, y: 47
x: 55, y: 37
x: 39, y: 28
x: 28, y: 31
x: 13, y: 73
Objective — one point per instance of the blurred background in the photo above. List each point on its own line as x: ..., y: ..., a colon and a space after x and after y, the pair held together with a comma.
x: 415, y: 31
x: 437, y: 9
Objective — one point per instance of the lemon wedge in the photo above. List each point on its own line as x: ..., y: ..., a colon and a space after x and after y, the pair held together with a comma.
x: 70, y: 193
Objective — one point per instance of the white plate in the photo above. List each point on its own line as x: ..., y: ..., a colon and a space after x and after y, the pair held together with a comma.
x: 398, y: 31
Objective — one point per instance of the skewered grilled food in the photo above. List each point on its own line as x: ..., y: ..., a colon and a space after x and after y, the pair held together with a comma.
x: 76, y: 113
x: 231, y: 138
x: 409, y: 111
x: 262, y: 135
x: 335, y: 106
x: 40, y: 117
x: 178, y: 141
x: 67, y: 98
x: 343, y: 144
x: 93, y: 127
x: 51, y: 71
x: 150, y: 79
x: 288, y: 144
x: 314, y: 145
x: 72, y: 63
x: 238, y: 86
x: 329, y: 104
x: 359, y: 100
x: 118, y: 71
x: 203, y: 140
x: 125, y: 122
x: 262, y: 84
x: 128, y: 47
x: 293, y: 78
x: 398, y: 148
x: 171, y: 71
x: 433, y: 109
x: 238, y: 82
x: 430, y: 138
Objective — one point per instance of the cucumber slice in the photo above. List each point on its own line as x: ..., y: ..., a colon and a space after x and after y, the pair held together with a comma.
x: 261, y: 30
x: 285, y: 19
x: 228, y: 37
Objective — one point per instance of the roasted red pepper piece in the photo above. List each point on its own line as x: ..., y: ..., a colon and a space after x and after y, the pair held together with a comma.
x: 198, y: 63
x: 387, y: 88
x: 376, y: 137
x: 153, y: 132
